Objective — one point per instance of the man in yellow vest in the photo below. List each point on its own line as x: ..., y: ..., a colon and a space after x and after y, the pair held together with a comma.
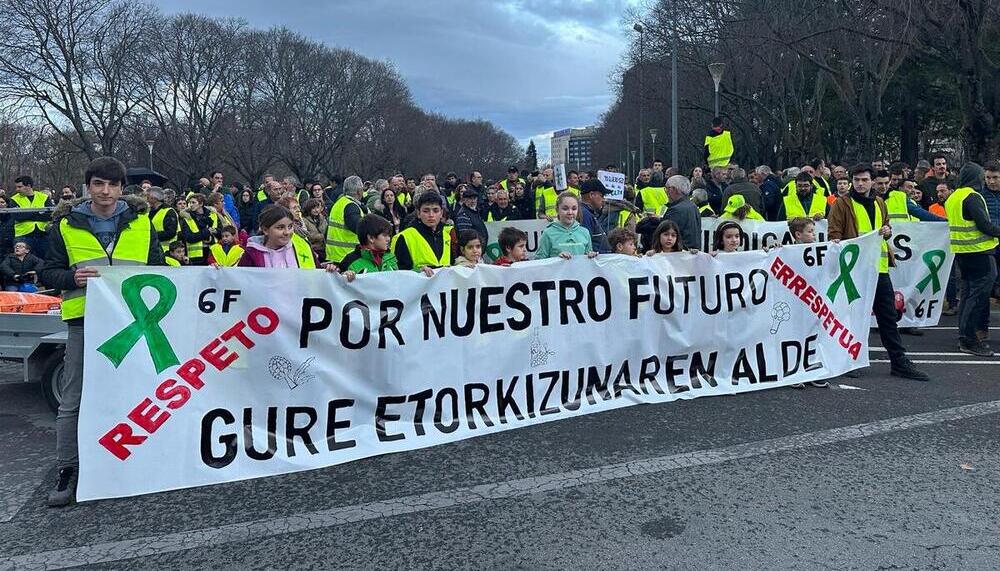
x: 513, y: 175
x: 427, y: 243
x: 573, y: 181
x: 545, y: 196
x: 30, y: 227
x: 83, y: 233
x: 345, y: 215
x: 858, y: 213
x: 163, y: 218
x: 807, y: 201
x: 263, y: 192
x: 652, y: 200
x: 718, y: 145
x: 973, y: 241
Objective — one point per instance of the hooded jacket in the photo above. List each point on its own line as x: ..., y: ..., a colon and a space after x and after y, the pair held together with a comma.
x: 557, y: 239
x: 257, y: 255
x: 973, y: 208
x: 56, y: 271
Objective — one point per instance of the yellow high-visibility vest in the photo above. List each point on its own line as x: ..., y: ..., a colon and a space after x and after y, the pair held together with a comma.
x: 550, y: 196
x: 623, y: 217
x: 194, y: 249
x: 965, y: 237
x: 736, y: 202
x: 303, y: 253
x: 340, y: 240
x: 503, y: 183
x: 654, y: 199
x: 28, y: 226
x: 794, y: 209
x: 226, y: 259
x: 865, y: 226
x: 157, y: 221
x: 420, y: 250
x: 84, y: 250
x: 171, y: 261
x: 720, y: 149
x: 896, y: 204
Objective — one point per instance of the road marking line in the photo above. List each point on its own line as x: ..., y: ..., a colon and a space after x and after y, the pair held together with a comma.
x: 939, y: 362
x: 949, y: 328
x: 255, y: 530
x: 929, y: 353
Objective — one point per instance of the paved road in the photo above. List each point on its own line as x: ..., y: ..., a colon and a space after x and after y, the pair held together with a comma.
x: 875, y: 473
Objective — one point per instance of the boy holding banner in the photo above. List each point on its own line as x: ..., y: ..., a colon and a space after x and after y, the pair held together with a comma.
x: 83, y: 232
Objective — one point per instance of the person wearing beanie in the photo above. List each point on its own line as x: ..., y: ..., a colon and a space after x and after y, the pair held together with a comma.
x: 973, y: 241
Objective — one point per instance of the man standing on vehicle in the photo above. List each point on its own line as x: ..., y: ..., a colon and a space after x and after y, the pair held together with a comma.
x: 103, y: 230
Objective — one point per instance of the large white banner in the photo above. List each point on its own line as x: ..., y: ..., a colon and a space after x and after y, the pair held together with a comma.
x: 920, y: 276
x: 197, y: 376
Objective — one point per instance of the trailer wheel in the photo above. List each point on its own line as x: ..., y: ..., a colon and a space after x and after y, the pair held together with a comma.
x: 52, y: 379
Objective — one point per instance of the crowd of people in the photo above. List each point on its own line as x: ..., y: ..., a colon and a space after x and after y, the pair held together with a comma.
x: 352, y: 227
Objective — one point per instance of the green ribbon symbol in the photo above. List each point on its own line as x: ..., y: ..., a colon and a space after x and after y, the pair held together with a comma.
x: 934, y: 260
x: 146, y: 324
x: 848, y: 259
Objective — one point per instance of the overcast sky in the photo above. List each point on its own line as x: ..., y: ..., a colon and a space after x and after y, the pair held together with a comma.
x: 529, y: 66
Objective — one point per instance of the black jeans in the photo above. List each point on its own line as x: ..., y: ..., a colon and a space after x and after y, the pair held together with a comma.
x: 978, y: 275
x: 886, y: 316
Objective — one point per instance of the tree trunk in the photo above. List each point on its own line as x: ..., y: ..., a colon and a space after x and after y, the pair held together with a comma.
x: 909, y: 132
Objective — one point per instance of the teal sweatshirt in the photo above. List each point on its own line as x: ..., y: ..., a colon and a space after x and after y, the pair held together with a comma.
x: 557, y: 239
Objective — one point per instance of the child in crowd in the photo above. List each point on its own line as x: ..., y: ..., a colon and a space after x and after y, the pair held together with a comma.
x: 738, y: 209
x: 514, y: 245
x: 666, y: 239
x: 278, y: 246
x: 227, y: 252
x: 804, y: 232
x: 470, y: 248
x: 372, y: 254
x: 727, y: 237
x: 425, y: 244
x: 176, y: 254
x: 565, y: 237
x: 622, y: 241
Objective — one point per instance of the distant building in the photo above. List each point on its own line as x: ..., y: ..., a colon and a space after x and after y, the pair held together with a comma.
x: 574, y: 148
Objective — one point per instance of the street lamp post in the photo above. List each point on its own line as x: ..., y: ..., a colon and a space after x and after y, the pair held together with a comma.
x: 642, y: 155
x: 652, y: 135
x: 673, y: 94
x: 149, y: 145
x: 716, y: 70
x: 634, y: 170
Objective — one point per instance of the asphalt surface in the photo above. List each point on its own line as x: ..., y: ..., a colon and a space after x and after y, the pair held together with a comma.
x: 874, y: 473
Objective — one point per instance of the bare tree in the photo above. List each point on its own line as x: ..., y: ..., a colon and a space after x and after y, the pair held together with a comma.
x: 189, y: 82
x: 73, y: 63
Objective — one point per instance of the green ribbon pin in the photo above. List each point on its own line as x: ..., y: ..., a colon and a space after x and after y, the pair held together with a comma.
x: 934, y: 260
x: 848, y: 259
x: 146, y: 324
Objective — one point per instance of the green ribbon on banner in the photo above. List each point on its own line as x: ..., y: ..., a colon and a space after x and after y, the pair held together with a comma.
x: 848, y: 259
x: 146, y: 324
x: 934, y: 260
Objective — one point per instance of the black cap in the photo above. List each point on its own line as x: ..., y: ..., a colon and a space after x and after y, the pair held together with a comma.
x: 514, y: 169
x: 470, y: 193
x: 593, y: 185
